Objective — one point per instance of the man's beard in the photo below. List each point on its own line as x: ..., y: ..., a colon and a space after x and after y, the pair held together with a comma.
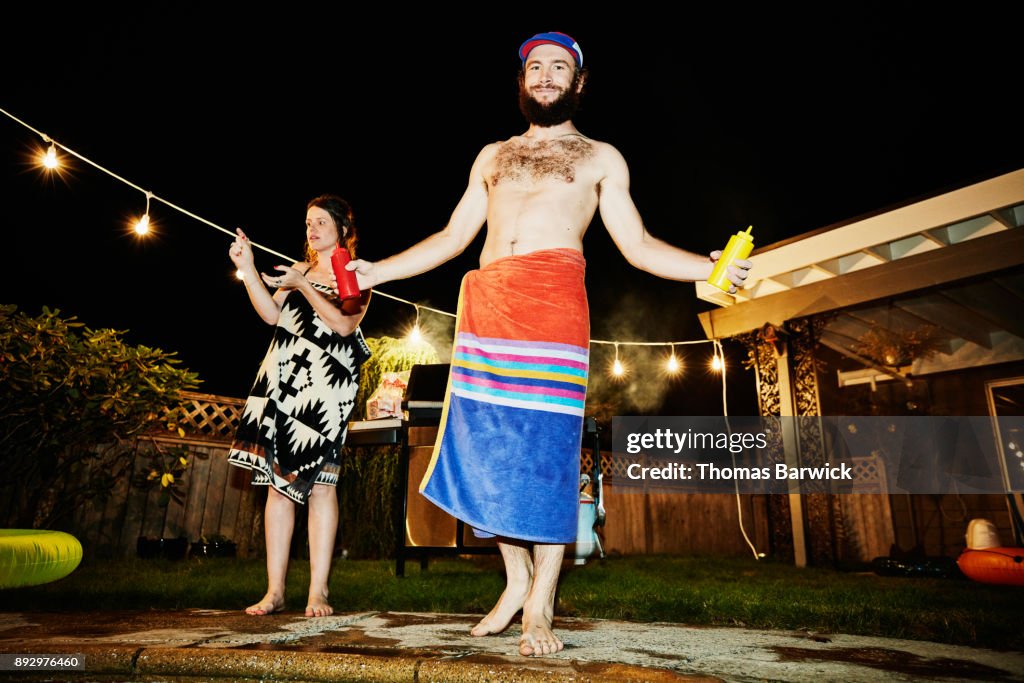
x: 553, y: 113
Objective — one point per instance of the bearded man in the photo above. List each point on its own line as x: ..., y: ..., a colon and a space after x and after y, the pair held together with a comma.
x: 507, y: 457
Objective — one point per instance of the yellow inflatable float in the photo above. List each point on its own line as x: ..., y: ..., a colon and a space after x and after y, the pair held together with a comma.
x: 29, y: 557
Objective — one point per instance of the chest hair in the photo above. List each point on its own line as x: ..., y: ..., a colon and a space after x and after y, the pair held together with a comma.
x: 548, y: 160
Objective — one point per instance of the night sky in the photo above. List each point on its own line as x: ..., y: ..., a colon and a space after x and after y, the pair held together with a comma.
x: 242, y: 118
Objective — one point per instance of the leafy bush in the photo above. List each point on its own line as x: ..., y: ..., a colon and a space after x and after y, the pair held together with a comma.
x: 71, y: 398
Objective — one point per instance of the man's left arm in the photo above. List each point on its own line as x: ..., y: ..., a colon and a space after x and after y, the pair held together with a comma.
x: 640, y: 248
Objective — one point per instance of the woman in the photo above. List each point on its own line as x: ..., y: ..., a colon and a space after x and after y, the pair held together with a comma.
x: 295, y: 419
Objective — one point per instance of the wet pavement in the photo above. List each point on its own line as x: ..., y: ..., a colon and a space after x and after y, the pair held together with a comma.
x: 204, y: 645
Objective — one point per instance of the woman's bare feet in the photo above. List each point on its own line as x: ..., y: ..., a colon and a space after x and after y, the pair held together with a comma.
x: 271, y: 602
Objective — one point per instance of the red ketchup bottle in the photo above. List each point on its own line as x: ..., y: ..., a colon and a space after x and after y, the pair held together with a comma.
x: 348, y: 288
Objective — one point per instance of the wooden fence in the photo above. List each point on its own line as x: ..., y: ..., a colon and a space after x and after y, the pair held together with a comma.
x: 674, y: 523
x: 217, y: 496
x: 219, y: 500
x: 709, y: 524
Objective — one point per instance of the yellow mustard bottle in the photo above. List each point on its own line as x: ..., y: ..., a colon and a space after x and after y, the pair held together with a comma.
x: 740, y: 245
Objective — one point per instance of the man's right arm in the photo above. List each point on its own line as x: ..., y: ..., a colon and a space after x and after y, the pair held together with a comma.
x: 467, y: 219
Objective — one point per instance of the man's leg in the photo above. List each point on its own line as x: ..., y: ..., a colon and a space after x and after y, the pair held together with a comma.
x: 539, y: 608
x: 323, y: 526
x: 278, y: 523
x: 518, y: 578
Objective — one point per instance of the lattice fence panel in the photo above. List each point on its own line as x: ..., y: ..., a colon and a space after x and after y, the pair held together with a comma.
x: 211, y: 418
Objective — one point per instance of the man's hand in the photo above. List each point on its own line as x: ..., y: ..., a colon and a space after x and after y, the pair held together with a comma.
x: 366, y: 274
x: 737, y: 271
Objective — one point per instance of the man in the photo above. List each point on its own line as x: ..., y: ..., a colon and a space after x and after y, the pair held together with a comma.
x: 507, y: 459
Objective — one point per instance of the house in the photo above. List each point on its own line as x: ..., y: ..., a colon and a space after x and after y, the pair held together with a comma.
x: 917, y: 310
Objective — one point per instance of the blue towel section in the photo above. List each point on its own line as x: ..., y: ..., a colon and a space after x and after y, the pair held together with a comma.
x: 517, y: 482
x: 507, y: 461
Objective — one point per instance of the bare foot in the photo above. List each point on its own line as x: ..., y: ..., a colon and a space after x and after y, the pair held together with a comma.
x: 538, y: 639
x: 317, y: 605
x: 518, y: 579
x: 510, y: 602
x: 271, y: 602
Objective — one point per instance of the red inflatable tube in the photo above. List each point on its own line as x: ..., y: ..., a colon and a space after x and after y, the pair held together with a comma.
x: 994, y: 565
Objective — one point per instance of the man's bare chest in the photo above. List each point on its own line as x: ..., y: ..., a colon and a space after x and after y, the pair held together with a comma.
x: 560, y: 160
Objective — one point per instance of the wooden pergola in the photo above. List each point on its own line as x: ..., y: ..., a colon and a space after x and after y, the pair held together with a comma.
x: 953, y: 262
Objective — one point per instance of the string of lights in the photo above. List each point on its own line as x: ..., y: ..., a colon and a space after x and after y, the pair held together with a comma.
x: 49, y: 159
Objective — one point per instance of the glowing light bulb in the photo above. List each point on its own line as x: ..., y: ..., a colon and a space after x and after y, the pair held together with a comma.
x: 415, y: 337
x: 50, y: 158
x: 673, y: 364
x: 618, y: 369
x: 142, y: 226
x: 239, y: 274
x: 716, y: 363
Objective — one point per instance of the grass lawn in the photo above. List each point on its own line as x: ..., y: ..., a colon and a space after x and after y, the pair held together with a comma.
x: 688, y: 590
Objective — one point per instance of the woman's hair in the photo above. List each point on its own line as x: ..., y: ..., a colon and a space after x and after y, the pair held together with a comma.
x: 341, y: 212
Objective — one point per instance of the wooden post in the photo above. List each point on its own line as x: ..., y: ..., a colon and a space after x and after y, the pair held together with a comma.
x: 787, y: 409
